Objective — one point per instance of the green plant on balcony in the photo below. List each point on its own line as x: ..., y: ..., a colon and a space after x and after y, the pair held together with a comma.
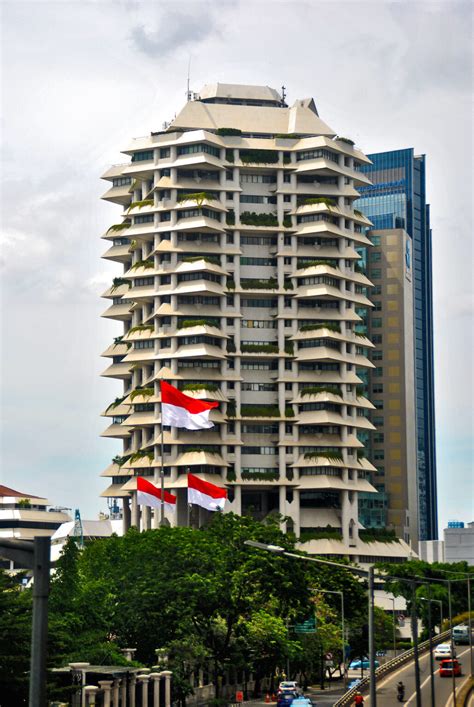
x: 118, y: 282
x: 358, y: 213
x: 118, y: 340
x: 360, y: 335
x: 359, y: 268
x: 259, y: 156
x: 120, y: 461
x: 199, y: 197
x: 287, y: 223
x: 259, y: 411
x: 146, y: 264
x: 230, y: 218
x: 141, y: 454
x: 133, y: 245
x: 119, y: 226
x: 331, y: 326
x: 360, y: 454
x: 214, y: 259
x: 374, y: 535
x: 286, y: 158
x: 259, y: 348
x: 251, y: 218
x: 141, y: 393
x: 231, y: 475
x: 210, y: 387
x: 270, y: 284
x: 229, y: 155
x: 230, y: 284
x: 116, y: 403
x: 315, y: 263
x: 289, y: 412
x: 310, y: 201
x: 290, y: 474
x: 347, y: 140
x: 140, y: 204
x: 316, y: 389
x: 288, y: 285
x: 228, y: 132
x: 231, y: 409
x: 231, y: 347
x: 288, y: 136
x: 202, y: 448
x: 327, y: 533
x: 140, y: 328
x: 189, y: 323
x: 24, y: 503
x: 289, y: 347
x: 330, y: 456
x: 260, y: 475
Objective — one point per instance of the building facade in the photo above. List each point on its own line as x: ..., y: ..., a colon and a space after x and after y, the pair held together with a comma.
x: 24, y: 516
x: 391, y: 386
x: 396, y: 199
x: 237, y: 242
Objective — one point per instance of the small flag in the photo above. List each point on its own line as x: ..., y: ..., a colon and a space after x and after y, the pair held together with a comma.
x: 149, y: 495
x: 206, y: 495
x: 180, y: 410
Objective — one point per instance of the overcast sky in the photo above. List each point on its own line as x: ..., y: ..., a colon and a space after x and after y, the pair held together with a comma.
x: 79, y: 80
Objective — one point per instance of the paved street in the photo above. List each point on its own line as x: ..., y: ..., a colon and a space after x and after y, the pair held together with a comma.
x: 387, y: 692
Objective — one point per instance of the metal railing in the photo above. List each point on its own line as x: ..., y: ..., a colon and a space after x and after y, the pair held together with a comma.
x: 389, y: 667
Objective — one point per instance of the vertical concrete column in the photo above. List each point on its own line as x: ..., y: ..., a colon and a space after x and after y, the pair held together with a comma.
x: 125, y: 514
x: 123, y: 694
x: 135, y: 517
x: 132, y: 691
x: 116, y: 692
x: 146, y: 518
x: 166, y: 674
x: 238, y: 499
x: 282, y: 505
x: 155, y: 678
x: 90, y: 691
x: 106, y: 686
x: 296, y: 514
x: 143, y: 679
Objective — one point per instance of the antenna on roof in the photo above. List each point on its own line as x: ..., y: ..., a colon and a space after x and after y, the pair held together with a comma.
x: 189, y: 94
x: 283, y: 94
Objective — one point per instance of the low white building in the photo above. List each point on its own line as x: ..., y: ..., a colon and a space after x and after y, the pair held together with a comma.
x: 459, y: 543
x: 91, y: 530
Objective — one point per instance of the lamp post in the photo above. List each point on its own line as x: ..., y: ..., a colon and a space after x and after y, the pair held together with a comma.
x: 341, y: 594
x: 355, y: 570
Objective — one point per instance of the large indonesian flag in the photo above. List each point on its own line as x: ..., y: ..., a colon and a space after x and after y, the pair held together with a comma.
x: 149, y: 495
x: 180, y: 410
x: 206, y: 495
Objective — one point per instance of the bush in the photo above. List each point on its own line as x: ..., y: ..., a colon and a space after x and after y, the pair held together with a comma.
x: 188, y: 323
x: 331, y: 326
x: 229, y: 155
x: 327, y: 533
x: 373, y: 535
x: 248, y: 218
x: 314, y: 263
x: 315, y: 389
x: 228, y: 132
x: 318, y: 200
x: 214, y: 259
x: 347, y: 140
x: 270, y: 284
x: 330, y: 456
x: 287, y: 222
x: 259, y: 156
x: 211, y: 387
x: 259, y: 348
x: 198, y: 196
x: 260, y: 410
x: 230, y: 218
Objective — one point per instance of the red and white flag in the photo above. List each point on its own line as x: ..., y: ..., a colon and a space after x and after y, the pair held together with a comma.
x: 180, y: 410
x: 149, y: 495
x: 206, y: 495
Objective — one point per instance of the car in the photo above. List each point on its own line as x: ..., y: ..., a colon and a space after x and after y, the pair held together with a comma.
x: 444, y: 650
x: 461, y: 635
x: 353, y: 683
x: 302, y: 702
x: 284, y: 699
x: 359, y: 664
x: 448, y: 667
x: 290, y: 686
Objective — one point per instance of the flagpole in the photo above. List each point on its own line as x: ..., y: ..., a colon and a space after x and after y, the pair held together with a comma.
x: 162, y: 471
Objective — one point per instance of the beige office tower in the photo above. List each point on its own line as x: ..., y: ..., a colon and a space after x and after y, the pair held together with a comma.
x: 237, y: 239
x: 393, y: 379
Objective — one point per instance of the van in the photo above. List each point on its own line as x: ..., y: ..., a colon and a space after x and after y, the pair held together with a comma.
x: 461, y: 635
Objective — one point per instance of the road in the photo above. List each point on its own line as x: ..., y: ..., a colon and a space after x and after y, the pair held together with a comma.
x: 387, y: 688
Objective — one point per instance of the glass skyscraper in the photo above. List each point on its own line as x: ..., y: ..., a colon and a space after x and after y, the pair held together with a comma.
x: 397, y: 199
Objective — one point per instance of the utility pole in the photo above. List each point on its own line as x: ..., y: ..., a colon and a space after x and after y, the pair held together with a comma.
x: 373, y: 687
x: 414, y: 631
x: 452, y: 639
x: 469, y: 624
x: 430, y: 631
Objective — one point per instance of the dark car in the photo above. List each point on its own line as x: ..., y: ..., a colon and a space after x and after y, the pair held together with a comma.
x: 286, y: 698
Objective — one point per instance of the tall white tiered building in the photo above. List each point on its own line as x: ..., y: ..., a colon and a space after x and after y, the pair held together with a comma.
x: 240, y: 284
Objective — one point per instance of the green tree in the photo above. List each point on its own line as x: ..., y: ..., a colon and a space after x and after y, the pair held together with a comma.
x: 15, y: 638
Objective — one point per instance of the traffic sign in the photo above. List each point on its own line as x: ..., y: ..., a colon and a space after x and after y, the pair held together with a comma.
x: 308, y: 626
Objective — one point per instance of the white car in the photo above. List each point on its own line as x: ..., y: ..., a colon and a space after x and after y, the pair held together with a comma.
x: 290, y: 686
x: 443, y: 650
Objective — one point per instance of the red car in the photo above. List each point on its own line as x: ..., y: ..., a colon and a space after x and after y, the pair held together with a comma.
x: 448, y: 667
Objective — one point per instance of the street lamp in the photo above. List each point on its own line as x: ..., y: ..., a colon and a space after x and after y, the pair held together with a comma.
x: 436, y: 601
x: 278, y: 550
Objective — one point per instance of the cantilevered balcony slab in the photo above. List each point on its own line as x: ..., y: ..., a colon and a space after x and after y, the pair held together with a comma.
x: 318, y: 439
x: 201, y: 265
x: 333, y: 483
x: 324, y: 333
x: 118, y: 253
x: 199, y: 459
x: 319, y: 377
x: 194, y: 351
x: 329, y: 230
x: 115, y: 491
x: 120, y: 312
x: 203, y: 224
x: 196, y: 330
x: 326, y: 417
x: 118, y: 370
x: 116, y: 430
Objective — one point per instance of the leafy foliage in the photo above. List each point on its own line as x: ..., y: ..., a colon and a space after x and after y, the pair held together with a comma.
x: 228, y: 132
x: 259, y: 156
x: 189, y: 323
x: 148, y: 263
x: 318, y: 200
x: 199, y: 197
x: 316, y: 389
x: 331, y: 326
x: 211, y: 387
x: 140, y: 204
x: 251, y: 218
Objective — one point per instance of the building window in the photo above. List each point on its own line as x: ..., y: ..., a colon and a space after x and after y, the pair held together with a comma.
x: 229, y: 238
x: 121, y: 181
x: 375, y: 257
x: 376, y: 290
x: 378, y: 404
x: 376, y: 273
x: 379, y: 438
x: 287, y: 178
x: 287, y: 197
x: 199, y: 147
x: 376, y: 323
x: 378, y: 372
x: 376, y: 338
x: 142, y: 156
x: 165, y: 152
x: 143, y: 219
x: 377, y: 355
x: 377, y: 388
x: 375, y: 240
x: 379, y: 455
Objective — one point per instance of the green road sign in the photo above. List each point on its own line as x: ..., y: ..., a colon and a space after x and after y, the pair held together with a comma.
x: 308, y: 626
